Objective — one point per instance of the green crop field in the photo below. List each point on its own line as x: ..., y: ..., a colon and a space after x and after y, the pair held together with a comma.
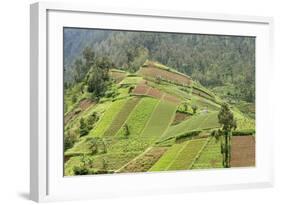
x: 160, y: 120
x: 204, y: 103
x: 139, y: 116
x: 121, y: 117
x: 107, y: 118
x: 131, y: 80
x: 111, y: 161
x: 165, y: 161
x: 198, y: 122
x: 180, y: 156
x: 210, y: 156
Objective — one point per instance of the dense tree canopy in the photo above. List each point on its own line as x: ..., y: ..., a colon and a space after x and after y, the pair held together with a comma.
x: 213, y: 60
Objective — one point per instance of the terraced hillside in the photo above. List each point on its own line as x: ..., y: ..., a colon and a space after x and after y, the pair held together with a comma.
x: 155, y: 119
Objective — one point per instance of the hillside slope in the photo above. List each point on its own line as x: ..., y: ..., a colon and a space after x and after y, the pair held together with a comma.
x: 143, y: 115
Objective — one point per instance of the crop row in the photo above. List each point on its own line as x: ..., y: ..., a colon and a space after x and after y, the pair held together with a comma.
x: 210, y: 157
x: 121, y: 117
x: 179, y: 156
x: 196, y: 122
x: 160, y: 120
x: 139, y: 117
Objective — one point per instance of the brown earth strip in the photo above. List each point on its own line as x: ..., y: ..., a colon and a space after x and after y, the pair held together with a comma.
x: 144, y: 162
x: 167, y: 75
x: 243, y: 151
x: 83, y: 105
x: 155, y: 93
x: 179, y: 117
x: 172, y: 99
x: 117, y: 76
x: 141, y: 89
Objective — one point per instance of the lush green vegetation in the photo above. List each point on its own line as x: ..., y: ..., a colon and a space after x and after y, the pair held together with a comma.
x: 107, y: 118
x: 197, y: 122
x: 160, y: 120
x: 125, y: 113
x: 210, y: 157
x: 212, y: 60
x: 121, y: 117
x: 180, y: 156
x: 139, y: 117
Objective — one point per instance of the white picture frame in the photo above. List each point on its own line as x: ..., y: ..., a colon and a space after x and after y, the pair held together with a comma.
x: 46, y: 178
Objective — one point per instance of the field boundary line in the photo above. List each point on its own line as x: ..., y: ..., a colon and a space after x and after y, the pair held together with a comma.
x: 203, y: 121
x: 149, y: 118
x: 199, y: 153
x: 171, y: 121
x: 188, y: 127
x: 140, y: 155
x: 119, y: 112
x: 140, y: 99
x: 107, y: 126
x: 177, y: 155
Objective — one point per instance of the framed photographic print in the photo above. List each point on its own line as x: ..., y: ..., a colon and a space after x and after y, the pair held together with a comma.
x: 127, y: 102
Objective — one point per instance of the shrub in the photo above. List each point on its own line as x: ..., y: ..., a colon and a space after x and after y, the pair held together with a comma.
x: 74, y: 99
x: 84, y: 130
x: 110, y: 93
x: 243, y: 132
x: 131, y: 88
x: 69, y: 139
x: 92, y: 119
x: 81, y: 170
x: 194, y: 108
x: 68, y: 143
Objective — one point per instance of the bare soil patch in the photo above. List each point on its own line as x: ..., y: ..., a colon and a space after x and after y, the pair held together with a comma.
x: 155, y: 93
x: 84, y: 104
x: 243, y: 151
x: 154, y: 72
x: 141, y: 89
x: 172, y: 99
x: 117, y: 76
x: 179, y: 117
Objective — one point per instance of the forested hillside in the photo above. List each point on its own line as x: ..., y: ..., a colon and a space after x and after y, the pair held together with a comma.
x: 225, y: 64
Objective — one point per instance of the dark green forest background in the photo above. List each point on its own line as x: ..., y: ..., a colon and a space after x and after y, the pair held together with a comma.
x: 225, y: 64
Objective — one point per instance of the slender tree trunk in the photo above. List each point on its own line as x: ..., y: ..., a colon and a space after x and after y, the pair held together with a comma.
x: 228, y: 149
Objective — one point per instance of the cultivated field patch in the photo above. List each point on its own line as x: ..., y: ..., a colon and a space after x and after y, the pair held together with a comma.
x: 139, y: 117
x: 204, y: 104
x: 210, y: 157
x: 180, y: 156
x: 243, y: 151
x: 121, y: 117
x: 82, y: 106
x: 160, y: 119
x: 131, y: 80
x: 145, y: 161
x: 179, y: 117
x: 153, y: 92
x: 154, y: 72
x: 141, y: 89
x: 109, y: 161
x: 197, y: 122
x: 171, y: 98
x: 117, y: 75
x: 107, y: 118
